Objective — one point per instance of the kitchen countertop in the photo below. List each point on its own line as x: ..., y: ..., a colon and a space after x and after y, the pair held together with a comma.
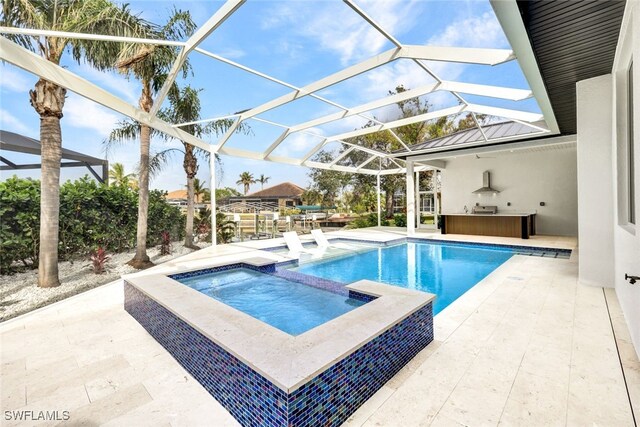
x: 489, y: 214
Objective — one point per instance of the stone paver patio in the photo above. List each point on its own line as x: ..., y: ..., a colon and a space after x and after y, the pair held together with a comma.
x: 526, y: 346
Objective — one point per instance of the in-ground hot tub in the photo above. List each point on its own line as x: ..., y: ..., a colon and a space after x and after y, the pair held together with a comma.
x: 315, y: 375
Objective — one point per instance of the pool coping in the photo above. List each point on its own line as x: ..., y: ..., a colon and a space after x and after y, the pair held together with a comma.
x: 287, y: 361
x: 417, y: 239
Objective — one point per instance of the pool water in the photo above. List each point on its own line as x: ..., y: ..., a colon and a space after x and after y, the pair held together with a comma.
x: 289, y: 306
x: 447, y: 271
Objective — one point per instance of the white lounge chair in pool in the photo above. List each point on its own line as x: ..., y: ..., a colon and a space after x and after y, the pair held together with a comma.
x: 294, y: 244
x: 322, y: 241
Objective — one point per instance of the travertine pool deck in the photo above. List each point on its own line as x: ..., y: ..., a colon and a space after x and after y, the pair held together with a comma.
x: 528, y: 345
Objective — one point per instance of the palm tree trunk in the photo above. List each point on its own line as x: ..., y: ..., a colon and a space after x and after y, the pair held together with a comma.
x: 141, y: 259
x: 48, y: 100
x: 188, y: 230
x: 51, y: 155
x: 190, y: 165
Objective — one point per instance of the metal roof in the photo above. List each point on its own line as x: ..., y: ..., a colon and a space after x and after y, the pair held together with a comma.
x: 10, y: 141
x: 572, y: 41
x: 473, y: 135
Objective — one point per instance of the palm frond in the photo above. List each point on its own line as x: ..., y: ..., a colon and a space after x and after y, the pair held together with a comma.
x: 127, y: 130
x: 159, y: 160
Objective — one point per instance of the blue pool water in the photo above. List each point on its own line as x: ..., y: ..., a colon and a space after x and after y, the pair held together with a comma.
x: 289, y: 306
x: 445, y: 270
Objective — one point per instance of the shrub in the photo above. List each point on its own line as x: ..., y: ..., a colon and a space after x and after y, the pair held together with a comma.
x: 19, y: 222
x: 91, y: 215
x: 369, y: 220
x: 400, y: 220
x: 163, y: 217
x: 99, y: 260
x: 225, y: 228
x: 165, y: 243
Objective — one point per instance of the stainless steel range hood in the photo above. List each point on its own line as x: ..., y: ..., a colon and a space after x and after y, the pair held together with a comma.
x: 486, y: 185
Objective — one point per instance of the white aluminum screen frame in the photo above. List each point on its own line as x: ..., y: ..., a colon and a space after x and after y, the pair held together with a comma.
x: 23, y: 58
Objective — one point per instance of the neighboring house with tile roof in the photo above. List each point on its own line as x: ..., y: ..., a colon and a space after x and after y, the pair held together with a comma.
x: 280, y: 196
x: 179, y: 197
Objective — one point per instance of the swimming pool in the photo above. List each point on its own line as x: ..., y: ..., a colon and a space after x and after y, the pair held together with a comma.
x: 289, y: 306
x: 445, y: 270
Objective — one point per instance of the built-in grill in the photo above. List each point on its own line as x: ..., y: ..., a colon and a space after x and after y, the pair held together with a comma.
x: 484, y: 210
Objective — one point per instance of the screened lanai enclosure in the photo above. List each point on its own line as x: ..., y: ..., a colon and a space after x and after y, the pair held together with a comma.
x: 359, y: 139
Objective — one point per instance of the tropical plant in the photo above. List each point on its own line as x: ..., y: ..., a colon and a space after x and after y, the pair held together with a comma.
x: 99, y: 260
x: 225, y: 228
x: 199, y: 190
x: 185, y: 108
x: 165, y: 243
x: 263, y: 180
x: 225, y: 193
x: 117, y: 176
x: 246, y: 179
x: 149, y: 65
x: 47, y: 98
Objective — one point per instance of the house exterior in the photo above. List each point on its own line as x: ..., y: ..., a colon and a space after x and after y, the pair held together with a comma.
x: 179, y: 198
x: 278, y: 197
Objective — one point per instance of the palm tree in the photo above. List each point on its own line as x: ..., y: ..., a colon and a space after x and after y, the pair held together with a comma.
x: 185, y: 108
x: 118, y: 177
x: 77, y: 16
x: 246, y: 179
x: 263, y: 180
x: 199, y: 190
x: 149, y: 65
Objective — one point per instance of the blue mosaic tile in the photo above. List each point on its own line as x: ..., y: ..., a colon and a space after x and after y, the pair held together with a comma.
x: 248, y: 396
x: 526, y: 250
x: 269, y: 268
x: 327, y: 400
x: 520, y: 249
x: 316, y: 282
x: 331, y: 397
x: 360, y: 296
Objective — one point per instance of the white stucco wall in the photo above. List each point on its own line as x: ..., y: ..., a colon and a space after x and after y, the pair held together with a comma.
x: 595, y: 181
x: 627, y: 236
x: 523, y: 178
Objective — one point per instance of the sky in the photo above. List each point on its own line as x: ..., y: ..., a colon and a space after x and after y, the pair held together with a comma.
x: 297, y: 42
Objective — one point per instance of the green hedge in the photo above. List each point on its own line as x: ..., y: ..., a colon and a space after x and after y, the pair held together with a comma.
x: 368, y: 220
x: 400, y: 220
x: 91, y: 215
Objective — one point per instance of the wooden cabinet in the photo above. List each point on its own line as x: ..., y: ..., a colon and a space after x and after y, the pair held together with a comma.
x: 521, y: 226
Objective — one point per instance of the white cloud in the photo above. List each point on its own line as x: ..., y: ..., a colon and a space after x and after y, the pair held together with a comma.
x: 81, y: 113
x: 483, y: 31
x: 231, y: 53
x: 14, y: 80
x: 127, y: 89
x: 299, y: 143
x: 475, y: 31
x: 338, y: 29
x: 11, y: 123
